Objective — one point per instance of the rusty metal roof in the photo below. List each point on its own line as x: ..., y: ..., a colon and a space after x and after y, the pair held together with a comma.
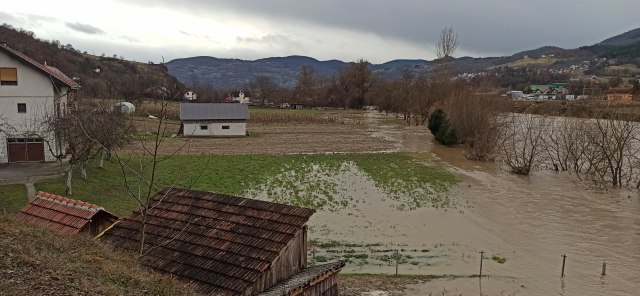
x: 54, y: 73
x: 58, y: 213
x: 305, y: 278
x: 223, y: 243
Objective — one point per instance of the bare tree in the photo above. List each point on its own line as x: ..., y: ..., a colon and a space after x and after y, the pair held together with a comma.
x: 305, y: 90
x: 356, y: 81
x: 522, y: 145
x: 447, y: 43
x: 265, y: 88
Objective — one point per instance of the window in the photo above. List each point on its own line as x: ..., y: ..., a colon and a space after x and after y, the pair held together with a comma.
x: 22, y: 108
x: 225, y: 127
x: 204, y: 127
x: 8, y: 76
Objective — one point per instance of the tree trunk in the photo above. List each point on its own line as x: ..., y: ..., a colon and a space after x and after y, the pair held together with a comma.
x: 83, y: 170
x: 68, y: 188
x: 102, y: 156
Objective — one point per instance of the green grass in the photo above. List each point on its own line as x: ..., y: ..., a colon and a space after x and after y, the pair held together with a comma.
x: 530, y: 61
x: 293, y: 179
x: 499, y: 259
x: 12, y: 198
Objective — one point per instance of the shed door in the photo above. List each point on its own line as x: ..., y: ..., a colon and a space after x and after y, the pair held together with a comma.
x: 25, y: 150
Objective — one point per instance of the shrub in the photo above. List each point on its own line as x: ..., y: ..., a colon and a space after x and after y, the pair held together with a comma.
x: 441, y: 129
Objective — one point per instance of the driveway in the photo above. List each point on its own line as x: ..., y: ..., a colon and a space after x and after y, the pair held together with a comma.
x: 20, y: 173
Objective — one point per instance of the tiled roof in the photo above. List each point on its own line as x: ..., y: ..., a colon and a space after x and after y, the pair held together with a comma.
x: 58, y: 213
x: 222, y: 243
x: 307, y: 277
x: 213, y: 111
x: 47, y: 70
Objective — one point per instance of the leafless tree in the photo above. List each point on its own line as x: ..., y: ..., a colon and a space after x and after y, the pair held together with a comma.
x: 356, y: 81
x: 447, y: 43
x: 306, y: 89
x: 522, y: 144
x: 265, y: 88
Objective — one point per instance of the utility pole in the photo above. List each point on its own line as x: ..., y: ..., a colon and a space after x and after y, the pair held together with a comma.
x: 564, y: 258
x: 481, y: 257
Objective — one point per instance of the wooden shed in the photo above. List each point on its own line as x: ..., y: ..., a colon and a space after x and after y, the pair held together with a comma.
x: 226, y: 245
x: 65, y: 215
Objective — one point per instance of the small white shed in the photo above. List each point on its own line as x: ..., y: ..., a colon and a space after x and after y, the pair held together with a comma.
x: 124, y: 107
x: 214, y: 119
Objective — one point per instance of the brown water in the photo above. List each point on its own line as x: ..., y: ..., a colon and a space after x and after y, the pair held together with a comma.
x: 530, y: 221
x: 533, y: 221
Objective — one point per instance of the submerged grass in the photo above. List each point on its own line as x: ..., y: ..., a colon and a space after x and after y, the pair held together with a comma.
x: 292, y: 179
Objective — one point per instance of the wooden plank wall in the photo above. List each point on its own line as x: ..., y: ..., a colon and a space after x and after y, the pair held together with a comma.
x: 326, y: 287
x: 291, y: 260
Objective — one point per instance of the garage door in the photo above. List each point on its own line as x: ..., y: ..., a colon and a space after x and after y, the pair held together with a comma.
x: 25, y: 150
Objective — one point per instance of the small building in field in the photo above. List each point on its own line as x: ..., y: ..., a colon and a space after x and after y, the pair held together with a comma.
x: 124, y: 107
x: 241, y: 97
x: 190, y: 96
x: 620, y: 94
x: 228, y: 245
x: 214, y: 119
x: 65, y: 215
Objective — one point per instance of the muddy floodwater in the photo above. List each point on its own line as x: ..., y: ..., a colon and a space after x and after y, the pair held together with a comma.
x: 523, y: 224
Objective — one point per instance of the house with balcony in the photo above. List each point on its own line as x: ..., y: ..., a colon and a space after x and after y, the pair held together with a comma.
x: 31, y: 95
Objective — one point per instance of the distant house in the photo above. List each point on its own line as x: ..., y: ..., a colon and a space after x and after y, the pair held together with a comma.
x: 214, y: 119
x: 31, y: 94
x: 620, y: 94
x: 241, y: 97
x: 64, y: 215
x: 190, y: 96
x: 228, y: 245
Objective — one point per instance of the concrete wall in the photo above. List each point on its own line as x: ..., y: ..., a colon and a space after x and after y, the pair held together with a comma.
x: 214, y: 129
x: 37, y: 91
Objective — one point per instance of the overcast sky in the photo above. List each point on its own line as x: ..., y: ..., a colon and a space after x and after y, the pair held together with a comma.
x: 376, y: 30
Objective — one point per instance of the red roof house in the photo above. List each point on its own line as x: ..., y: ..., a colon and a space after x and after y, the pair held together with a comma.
x: 65, y: 215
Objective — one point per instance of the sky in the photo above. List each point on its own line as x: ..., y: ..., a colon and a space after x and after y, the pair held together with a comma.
x: 348, y: 30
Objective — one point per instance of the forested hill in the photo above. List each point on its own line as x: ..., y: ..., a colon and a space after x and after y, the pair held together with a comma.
x: 99, y: 76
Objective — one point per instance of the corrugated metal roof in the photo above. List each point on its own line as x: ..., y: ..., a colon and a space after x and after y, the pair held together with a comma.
x: 58, y: 213
x: 223, y: 243
x: 214, y: 111
x: 51, y: 71
x: 304, y: 278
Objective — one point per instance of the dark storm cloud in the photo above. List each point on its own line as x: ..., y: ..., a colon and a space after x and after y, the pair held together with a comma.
x: 85, y: 28
x: 485, y: 27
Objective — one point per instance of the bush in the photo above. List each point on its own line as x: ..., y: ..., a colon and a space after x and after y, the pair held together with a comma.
x: 441, y: 129
x: 436, y: 119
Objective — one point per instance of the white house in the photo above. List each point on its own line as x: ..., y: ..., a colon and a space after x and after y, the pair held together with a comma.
x: 214, y: 119
x: 190, y: 96
x: 31, y: 94
x: 241, y: 97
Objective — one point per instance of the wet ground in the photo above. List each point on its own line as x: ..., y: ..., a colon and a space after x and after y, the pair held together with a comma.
x: 523, y: 224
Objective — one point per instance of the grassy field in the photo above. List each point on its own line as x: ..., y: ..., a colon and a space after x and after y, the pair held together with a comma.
x: 12, y: 198
x: 530, y: 61
x: 293, y: 179
x: 39, y: 262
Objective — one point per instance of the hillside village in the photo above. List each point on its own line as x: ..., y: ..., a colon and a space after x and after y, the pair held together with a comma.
x: 304, y: 177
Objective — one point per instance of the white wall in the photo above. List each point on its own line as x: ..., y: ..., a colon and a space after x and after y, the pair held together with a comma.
x: 214, y: 129
x: 36, y: 90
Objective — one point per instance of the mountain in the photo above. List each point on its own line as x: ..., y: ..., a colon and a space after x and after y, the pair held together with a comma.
x: 623, y: 39
x: 234, y: 73
x: 99, y: 76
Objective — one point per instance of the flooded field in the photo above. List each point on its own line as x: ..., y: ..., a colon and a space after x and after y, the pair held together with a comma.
x: 523, y: 224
